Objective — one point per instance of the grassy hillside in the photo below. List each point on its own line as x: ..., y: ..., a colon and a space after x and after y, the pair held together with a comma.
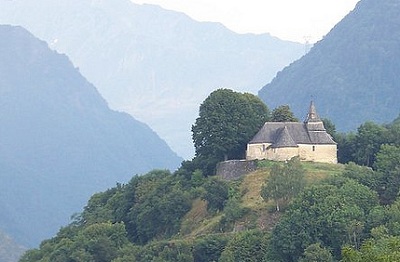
x: 260, y: 213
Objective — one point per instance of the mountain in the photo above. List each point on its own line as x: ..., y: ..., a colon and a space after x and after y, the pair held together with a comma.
x: 352, y: 74
x: 9, y: 250
x: 155, y: 64
x: 59, y: 141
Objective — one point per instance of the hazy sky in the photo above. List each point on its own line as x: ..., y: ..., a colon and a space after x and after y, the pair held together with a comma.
x: 287, y: 19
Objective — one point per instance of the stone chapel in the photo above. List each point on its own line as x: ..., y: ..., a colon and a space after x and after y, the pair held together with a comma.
x: 281, y: 141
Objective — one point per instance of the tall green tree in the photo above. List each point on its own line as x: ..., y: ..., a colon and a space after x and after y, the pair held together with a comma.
x: 227, y: 121
x: 284, y: 182
x: 346, y: 147
x: 216, y: 194
x: 368, y: 140
x: 388, y: 167
x: 283, y: 114
x: 316, y: 253
x: 330, y: 127
x: 251, y: 245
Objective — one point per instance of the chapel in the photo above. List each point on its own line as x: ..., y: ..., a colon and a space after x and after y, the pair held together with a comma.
x: 281, y: 141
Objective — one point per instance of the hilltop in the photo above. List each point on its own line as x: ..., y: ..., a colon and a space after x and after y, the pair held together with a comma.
x: 158, y: 230
x: 283, y: 211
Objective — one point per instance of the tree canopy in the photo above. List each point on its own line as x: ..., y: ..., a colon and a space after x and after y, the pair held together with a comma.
x: 284, y: 182
x: 283, y: 114
x: 227, y: 121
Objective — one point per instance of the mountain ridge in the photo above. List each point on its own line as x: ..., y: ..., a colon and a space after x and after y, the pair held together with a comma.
x: 156, y: 64
x: 59, y: 140
x: 351, y: 73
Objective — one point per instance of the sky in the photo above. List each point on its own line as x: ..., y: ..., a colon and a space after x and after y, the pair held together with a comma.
x: 295, y: 20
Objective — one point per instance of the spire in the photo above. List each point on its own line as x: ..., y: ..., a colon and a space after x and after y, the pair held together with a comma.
x: 313, y: 122
x: 312, y: 115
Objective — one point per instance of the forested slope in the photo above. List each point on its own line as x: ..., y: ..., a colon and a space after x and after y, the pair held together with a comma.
x: 170, y: 217
x: 353, y: 72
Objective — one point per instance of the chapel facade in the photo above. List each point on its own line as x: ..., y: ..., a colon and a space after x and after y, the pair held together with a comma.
x: 281, y: 141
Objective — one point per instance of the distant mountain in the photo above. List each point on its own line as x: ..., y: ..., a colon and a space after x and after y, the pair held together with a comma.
x: 353, y: 74
x: 59, y: 141
x: 155, y: 64
x: 9, y: 250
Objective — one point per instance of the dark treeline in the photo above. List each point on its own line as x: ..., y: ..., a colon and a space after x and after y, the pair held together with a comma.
x: 363, y: 146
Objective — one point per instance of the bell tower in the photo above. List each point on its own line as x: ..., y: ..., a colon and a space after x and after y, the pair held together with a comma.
x: 312, y: 121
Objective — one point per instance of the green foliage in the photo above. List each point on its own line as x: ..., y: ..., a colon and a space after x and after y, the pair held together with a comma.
x: 160, y: 203
x: 216, y: 194
x: 284, y: 182
x: 150, y: 206
x: 316, y: 253
x: 209, y: 248
x: 388, y: 159
x: 392, y: 218
x: 162, y: 251
x: 381, y: 250
x: 386, y: 179
x: 246, y: 246
x: 283, y: 114
x: 99, y: 242
x: 388, y: 167
x: 327, y: 214
x: 369, y: 138
x: 384, y: 244
x: 329, y: 126
x: 363, y: 146
x: 346, y: 147
x: 234, y: 211
x: 227, y: 121
x: 363, y: 175
x: 394, y: 132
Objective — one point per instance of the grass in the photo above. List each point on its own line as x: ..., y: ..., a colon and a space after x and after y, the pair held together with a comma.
x: 261, y: 213
x: 251, y: 188
x: 318, y: 171
x: 198, y: 221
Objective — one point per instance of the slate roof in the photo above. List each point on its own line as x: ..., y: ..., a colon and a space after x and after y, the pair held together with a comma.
x: 284, y: 139
x: 291, y: 134
x: 288, y: 134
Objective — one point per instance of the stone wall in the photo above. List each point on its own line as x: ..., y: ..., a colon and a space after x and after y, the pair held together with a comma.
x: 234, y: 169
x: 257, y: 151
x: 306, y: 152
x: 282, y: 153
x: 319, y: 153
